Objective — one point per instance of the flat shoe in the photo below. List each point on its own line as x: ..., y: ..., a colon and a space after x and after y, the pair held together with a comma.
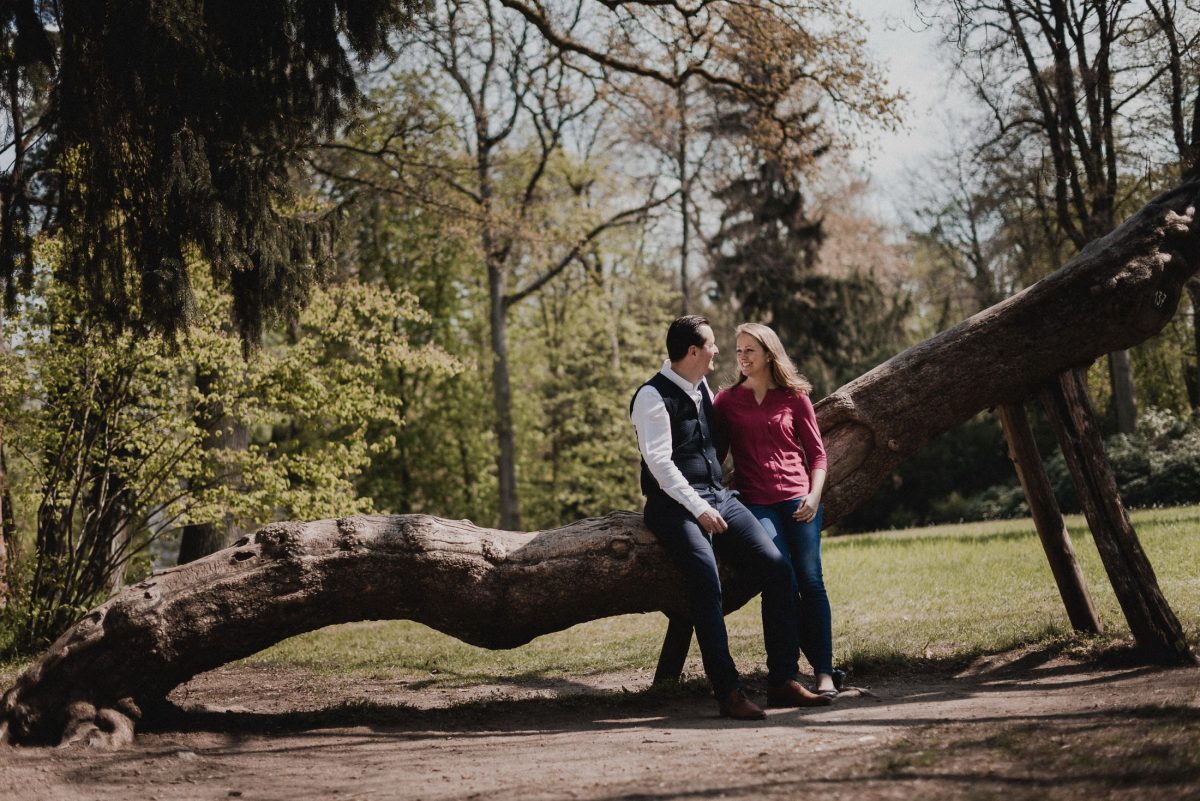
x: 793, y: 693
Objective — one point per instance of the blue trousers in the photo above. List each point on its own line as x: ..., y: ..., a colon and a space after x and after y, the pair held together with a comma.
x: 746, y: 546
x: 800, y: 544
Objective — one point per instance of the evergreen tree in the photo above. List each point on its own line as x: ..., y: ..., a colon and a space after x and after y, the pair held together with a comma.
x: 170, y: 124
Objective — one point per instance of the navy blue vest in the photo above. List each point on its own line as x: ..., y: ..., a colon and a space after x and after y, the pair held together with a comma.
x: 692, y: 448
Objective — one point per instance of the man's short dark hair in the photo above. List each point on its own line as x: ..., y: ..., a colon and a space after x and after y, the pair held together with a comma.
x: 684, y: 333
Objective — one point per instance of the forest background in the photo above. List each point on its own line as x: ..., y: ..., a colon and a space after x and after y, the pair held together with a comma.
x: 425, y: 272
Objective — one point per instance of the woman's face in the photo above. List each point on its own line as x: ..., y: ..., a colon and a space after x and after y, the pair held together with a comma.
x: 751, y: 358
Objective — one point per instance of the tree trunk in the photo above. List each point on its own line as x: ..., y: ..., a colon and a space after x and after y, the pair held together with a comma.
x: 506, y: 446
x: 500, y: 589
x: 1124, y: 396
x: 1192, y: 371
x: 490, y: 588
x: 222, y: 432
x: 7, y: 525
x: 1154, y: 625
x: 674, y: 651
x: 684, y: 192
x: 1048, y: 520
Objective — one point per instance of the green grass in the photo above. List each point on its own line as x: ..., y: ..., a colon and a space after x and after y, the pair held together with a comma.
x: 899, y: 598
x: 950, y: 592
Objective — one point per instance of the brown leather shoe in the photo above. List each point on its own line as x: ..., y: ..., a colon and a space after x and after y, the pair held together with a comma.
x: 737, y: 706
x: 793, y: 693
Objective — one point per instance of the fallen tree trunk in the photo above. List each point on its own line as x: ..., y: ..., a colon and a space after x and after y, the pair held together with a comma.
x: 500, y: 589
x: 1119, y: 291
x: 494, y: 589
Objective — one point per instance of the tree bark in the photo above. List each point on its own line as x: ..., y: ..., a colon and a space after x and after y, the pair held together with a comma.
x: 499, y: 589
x: 1048, y: 519
x: 681, y: 165
x: 506, y: 443
x: 1154, y: 625
x: 7, y: 525
x: 675, y: 647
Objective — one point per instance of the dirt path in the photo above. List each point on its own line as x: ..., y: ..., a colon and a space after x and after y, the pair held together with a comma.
x: 1022, y: 725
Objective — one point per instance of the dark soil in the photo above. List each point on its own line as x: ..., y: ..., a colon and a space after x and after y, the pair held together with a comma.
x: 1024, y: 725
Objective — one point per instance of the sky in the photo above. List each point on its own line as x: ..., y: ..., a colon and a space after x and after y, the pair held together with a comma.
x: 912, y: 57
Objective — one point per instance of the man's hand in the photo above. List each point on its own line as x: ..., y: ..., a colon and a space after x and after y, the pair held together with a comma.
x: 712, y: 522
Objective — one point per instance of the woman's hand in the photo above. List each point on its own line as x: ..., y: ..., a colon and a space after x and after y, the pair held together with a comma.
x: 806, y: 512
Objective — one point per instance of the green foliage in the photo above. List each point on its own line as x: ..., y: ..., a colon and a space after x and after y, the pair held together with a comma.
x: 441, y: 456
x: 965, y: 474
x: 112, y: 457
x: 941, y: 481
x: 1158, y: 465
x: 766, y: 250
x: 584, y: 346
x: 578, y: 346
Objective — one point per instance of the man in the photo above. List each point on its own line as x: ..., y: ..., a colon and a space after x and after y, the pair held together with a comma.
x: 695, y: 517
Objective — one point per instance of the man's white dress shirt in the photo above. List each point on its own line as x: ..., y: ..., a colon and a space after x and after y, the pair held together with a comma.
x: 653, y: 427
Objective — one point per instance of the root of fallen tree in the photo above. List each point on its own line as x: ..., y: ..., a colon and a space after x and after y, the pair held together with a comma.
x: 500, y: 589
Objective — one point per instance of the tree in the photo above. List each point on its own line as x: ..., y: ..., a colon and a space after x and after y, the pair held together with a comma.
x: 583, y: 346
x: 518, y: 164
x: 765, y: 251
x: 105, y: 427
x: 442, y: 451
x: 977, y: 234
x: 188, y: 140
x: 8, y: 528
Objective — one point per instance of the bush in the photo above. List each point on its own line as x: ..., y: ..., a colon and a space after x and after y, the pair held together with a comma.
x: 1159, y: 465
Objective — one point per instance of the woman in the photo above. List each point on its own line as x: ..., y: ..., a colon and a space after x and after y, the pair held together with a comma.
x: 767, y: 420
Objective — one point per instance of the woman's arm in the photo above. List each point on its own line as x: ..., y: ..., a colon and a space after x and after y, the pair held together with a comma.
x: 720, y: 425
x: 804, y: 422
x: 808, y: 435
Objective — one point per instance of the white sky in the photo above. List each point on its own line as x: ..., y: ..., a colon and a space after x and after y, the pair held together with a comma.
x: 912, y: 57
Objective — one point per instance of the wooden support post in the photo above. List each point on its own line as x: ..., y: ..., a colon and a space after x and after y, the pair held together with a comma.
x: 1048, y: 520
x: 674, y: 650
x: 1154, y: 625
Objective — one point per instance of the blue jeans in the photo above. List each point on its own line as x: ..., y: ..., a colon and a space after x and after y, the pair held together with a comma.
x: 800, y: 544
x: 746, y: 546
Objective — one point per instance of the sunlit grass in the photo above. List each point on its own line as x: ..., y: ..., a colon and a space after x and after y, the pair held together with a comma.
x: 945, y: 593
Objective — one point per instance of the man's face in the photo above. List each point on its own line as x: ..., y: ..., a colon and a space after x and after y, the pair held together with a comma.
x: 706, y: 354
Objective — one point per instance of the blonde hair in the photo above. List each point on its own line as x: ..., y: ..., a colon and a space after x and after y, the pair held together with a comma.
x: 783, y: 371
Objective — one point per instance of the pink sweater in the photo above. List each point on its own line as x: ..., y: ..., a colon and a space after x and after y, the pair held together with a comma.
x: 776, y: 445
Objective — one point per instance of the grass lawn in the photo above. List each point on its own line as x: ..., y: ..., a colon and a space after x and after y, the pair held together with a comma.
x: 899, y: 598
